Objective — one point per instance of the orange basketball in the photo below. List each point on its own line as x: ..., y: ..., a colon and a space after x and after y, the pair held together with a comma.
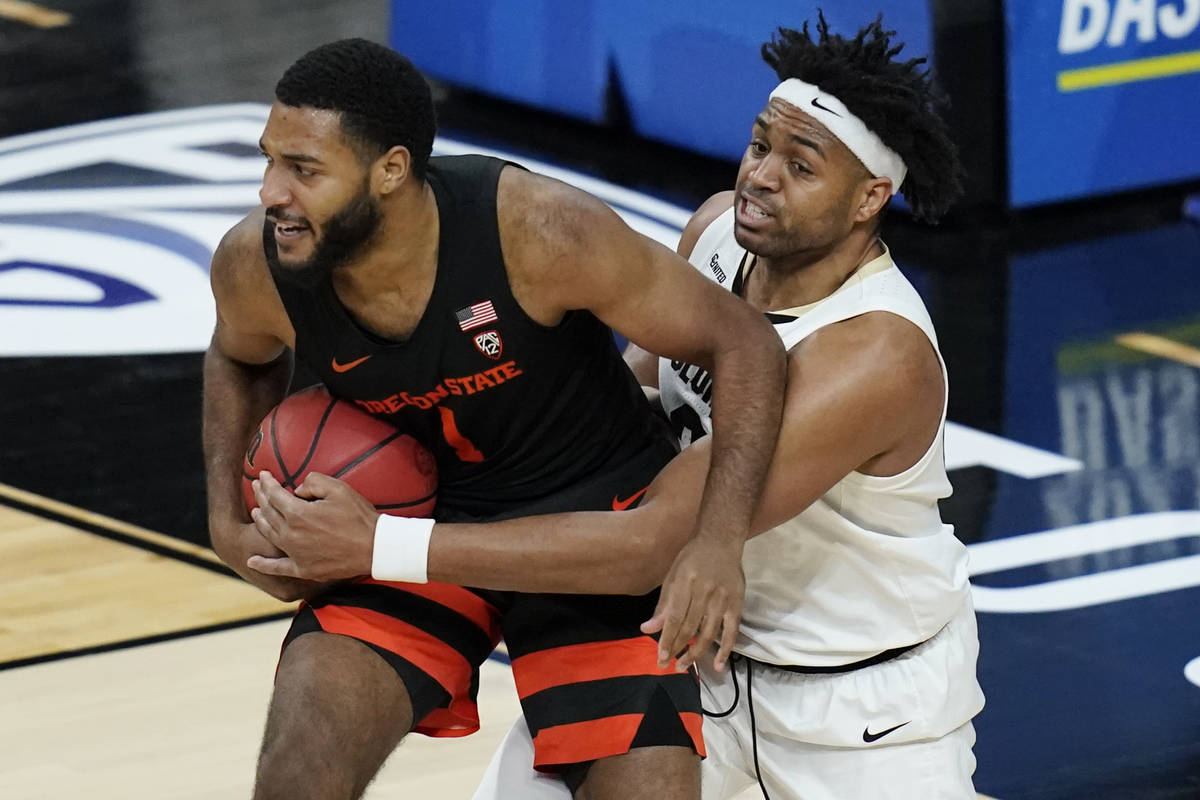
x: 311, y: 431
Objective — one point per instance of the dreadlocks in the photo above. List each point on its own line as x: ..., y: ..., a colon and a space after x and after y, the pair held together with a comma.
x: 895, y: 99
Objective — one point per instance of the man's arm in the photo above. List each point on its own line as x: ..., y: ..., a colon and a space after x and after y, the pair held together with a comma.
x: 643, y: 363
x: 865, y: 394
x: 566, y: 250
x: 247, y: 369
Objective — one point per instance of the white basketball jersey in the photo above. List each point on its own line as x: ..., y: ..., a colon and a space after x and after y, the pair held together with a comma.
x: 868, y: 567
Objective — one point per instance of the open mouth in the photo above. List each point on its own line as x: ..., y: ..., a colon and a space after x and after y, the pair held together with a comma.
x: 750, y: 213
x: 289, y: 231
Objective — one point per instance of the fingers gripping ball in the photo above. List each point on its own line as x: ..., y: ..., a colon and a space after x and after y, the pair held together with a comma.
x: 311, y: 431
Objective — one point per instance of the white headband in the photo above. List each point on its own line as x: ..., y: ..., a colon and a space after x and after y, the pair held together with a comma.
x: 879, y: 159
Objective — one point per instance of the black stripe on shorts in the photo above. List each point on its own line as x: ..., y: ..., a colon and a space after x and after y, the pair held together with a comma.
x: 608, y: 697
x: 537, y: 622
x: 457, y: 631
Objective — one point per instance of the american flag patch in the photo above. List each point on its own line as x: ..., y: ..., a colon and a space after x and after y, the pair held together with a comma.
x: 476, y: 315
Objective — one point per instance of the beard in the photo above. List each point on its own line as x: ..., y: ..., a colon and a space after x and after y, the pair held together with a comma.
x: 346, y: 235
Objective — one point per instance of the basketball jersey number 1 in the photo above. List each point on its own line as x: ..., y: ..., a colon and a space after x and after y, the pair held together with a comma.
x: 463, y: 448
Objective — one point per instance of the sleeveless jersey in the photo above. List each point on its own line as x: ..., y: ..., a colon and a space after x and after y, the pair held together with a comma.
x: 513, y: 411
x: 869, y: 566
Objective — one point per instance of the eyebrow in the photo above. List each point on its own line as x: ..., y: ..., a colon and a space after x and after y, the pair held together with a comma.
x: 761, y: 122
x: 299, y: 157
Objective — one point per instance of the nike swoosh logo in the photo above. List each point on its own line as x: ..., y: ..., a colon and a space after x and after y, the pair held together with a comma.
x: 869, y: 737
x: 621, y: 505
x: 347, y: 366
x: 817, y: 103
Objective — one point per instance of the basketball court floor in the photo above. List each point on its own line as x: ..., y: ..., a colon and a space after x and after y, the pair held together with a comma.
x: 132, y: 663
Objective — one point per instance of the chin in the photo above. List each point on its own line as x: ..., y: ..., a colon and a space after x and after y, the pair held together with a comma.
x: 746, y: 239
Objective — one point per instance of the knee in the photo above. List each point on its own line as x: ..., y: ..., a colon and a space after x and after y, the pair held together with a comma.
x: 337, y: 711
x: 647, y: 773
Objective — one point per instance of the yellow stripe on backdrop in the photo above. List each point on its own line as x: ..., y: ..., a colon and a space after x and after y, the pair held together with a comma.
x: 1161, y: 346
x: 33, y: 14
x: 1142, y: 69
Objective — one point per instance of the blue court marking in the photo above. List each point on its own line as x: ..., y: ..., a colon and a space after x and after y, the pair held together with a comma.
x: 114, y: 291
x: 191, y: 249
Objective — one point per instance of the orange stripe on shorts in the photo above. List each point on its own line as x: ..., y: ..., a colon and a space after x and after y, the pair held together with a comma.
x: 428, y: 653
x: 576, y: 663
x: 584, y: 741
x: 599, y: 738
x: 457, y: 599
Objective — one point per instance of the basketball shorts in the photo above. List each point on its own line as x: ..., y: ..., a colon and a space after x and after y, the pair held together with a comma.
x: 586, y: 676
x: 898, y: 730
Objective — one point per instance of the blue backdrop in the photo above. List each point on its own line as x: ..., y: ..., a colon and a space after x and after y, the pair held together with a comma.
x: 690, y: 70
x: 1076, y: 130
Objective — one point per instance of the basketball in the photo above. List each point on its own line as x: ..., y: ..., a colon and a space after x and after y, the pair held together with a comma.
x: 312, y: 431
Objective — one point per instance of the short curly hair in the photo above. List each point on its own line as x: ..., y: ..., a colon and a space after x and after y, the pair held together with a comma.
x: 384, y: 101
x: 895, y: 99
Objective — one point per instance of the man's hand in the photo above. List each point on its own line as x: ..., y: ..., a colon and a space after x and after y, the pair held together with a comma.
x: 325, y: 532
x: 701, y: 600
x: 243, y: 537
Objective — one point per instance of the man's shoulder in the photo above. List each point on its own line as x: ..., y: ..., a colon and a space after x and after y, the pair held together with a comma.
x: 239, y: 264
x: 712, y: 208
x: 878, y: 345
x: 244, y: 241
x: 543, y: 211
x: 708, y: 213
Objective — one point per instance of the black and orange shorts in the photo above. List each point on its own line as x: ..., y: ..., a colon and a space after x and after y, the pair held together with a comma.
x: 586, y: 676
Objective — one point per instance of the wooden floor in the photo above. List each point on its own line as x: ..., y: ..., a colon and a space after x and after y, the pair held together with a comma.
x: 69, y: 583
x: 102, y: 710
x: 181, y: 720
x: 134, y: 665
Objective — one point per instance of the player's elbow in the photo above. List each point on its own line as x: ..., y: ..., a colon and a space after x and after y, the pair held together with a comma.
x: 220, y: 542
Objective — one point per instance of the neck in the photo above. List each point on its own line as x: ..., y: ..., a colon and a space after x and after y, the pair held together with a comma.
x: 803, y: 278
x: 401, y: 253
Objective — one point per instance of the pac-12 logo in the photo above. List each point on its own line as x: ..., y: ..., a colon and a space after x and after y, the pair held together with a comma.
x: 107, y: 228
x: 489, y: 344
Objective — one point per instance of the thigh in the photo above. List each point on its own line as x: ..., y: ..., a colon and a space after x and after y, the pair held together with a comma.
x: 589, y: 682
x: 432, y: 636
x: 645, y: 773
x: 728, y: 767
x: 336, y: 712
x: 939, y: 769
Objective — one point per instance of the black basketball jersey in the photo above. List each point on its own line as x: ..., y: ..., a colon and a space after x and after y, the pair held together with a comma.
x: 513, y: 410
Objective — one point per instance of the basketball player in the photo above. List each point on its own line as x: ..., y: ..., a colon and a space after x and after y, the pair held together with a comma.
x: 853, y: 672
x: 467, y: 301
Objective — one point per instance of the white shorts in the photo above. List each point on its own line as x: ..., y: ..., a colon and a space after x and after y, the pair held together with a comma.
x: 900, y: 730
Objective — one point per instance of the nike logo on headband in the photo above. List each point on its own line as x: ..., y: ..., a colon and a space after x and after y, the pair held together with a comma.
x: 817, y: 103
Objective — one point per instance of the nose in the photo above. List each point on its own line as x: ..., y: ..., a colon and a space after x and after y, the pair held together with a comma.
x: 274, y: 190
x: 765, y: 173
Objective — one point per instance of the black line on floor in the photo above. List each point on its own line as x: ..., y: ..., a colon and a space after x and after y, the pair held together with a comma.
x: 117, y: 536
x: 144, y: 640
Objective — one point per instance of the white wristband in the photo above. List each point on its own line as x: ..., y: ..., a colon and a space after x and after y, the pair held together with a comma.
x: 401, y: 551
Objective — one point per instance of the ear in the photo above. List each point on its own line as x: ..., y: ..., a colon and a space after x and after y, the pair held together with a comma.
x: 392, y: 169
x: 873, y: 194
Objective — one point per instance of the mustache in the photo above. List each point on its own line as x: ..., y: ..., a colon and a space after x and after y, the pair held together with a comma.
x: 278, y: 216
